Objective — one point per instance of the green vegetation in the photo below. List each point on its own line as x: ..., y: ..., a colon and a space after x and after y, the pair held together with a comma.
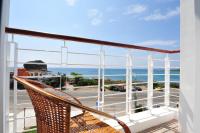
x: 158, y: 85
x: 55, y: 81
x: 78, y: 80
x: 116, y: 88
x: 33, y: 131
x: 174, y: 85
x: 162, y: 85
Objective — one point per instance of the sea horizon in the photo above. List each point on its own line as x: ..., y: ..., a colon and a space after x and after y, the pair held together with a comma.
x: 139, y: 74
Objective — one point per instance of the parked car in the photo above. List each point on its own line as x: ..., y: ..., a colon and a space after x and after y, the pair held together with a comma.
x: 137, y: 89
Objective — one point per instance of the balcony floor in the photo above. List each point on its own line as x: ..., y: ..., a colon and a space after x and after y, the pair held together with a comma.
x: 168, y: 127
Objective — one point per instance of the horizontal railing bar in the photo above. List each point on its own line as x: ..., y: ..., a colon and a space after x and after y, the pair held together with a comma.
x: 88, y: 97
x: 137, y: 92
x: 115, y: 84
x: 114, y: 65
x: 161, y: 60
x: 84, y: 40
x: 175, y: 92
x: 175, y: 60
x: 140, y: 66
x: 157, y: 97
x: 174, y: 96
x: 43, y: 76
x: 39, y: 63
x: 20, y: 104
x: 107, y: 105
x: 139, y: 83
x: 82, y: 75
x: 135, y: 74
x: 115, y: 75
x: 38, y: 50
x: 154, y: 91
x: 174, y: 74
x: 159, y: 74
x: 83, y: 65
x: 27, y: 117
x: 83, y: 53
x: 159, y: 67
x: 175, y: 81
x: 89, y: 86
x: 28, y: 130
x: 159, y: 82
x: 142, y: 99
x: 174, y: 102
x: 174, y: 67
x: 109, y: 55
x: 116, y: 94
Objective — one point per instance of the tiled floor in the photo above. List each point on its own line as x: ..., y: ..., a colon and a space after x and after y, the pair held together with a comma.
x: 169, y: 127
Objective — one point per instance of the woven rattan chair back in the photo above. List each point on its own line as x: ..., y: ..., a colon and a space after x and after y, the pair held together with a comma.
x: 52, y: 115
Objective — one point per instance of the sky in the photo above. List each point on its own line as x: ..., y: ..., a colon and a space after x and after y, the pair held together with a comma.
x: 151, y: 23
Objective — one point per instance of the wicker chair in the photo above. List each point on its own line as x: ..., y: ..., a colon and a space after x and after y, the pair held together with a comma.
x: 53, y: 107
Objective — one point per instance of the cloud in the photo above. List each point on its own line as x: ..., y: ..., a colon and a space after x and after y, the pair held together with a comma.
x: 71, y: 2
x: 135, y: 9
x: 158, y: 43
x: 159, y: 16
x: 95, y: 17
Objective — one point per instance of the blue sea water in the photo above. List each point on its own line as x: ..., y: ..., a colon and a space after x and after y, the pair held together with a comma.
x: 138, y: 74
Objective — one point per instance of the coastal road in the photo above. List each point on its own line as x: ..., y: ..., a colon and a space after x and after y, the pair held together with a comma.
x: 84, y: 94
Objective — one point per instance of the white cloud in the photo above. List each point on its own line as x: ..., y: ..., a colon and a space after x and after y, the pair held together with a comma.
x: 95, y: 17
x: 71, y: 2
x: 158, y: 43
x: 135, y: 9
x: 159, y: 16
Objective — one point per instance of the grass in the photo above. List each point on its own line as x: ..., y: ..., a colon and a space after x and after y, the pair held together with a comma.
x: 33, y: 131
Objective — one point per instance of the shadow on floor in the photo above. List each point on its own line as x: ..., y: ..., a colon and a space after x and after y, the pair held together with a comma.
x: 169, y: 127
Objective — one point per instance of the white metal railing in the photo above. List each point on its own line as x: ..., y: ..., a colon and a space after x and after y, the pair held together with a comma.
x: 101, y: 95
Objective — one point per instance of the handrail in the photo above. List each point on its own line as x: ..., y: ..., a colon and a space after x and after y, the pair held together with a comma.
x: 84, y: 40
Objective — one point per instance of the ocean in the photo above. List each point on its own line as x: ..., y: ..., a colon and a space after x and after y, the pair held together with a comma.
x: 158, y: 73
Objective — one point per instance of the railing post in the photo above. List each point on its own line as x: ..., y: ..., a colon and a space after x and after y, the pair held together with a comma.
x: 102, y: 86
x: 130, y: 82
x: 64, y: 60
x: 15, y: 86
x: 99, y: 82
x: 4, y: 69
x: 167, y: 81
x: 150, y: 83
x: 127, y: 84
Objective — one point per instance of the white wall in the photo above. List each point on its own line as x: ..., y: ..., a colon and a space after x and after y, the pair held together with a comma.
x: 190, y: 67
x: 4, y: 9
x: 197, y: 92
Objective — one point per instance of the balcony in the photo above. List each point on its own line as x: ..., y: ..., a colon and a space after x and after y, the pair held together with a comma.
x: 142, y: 91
